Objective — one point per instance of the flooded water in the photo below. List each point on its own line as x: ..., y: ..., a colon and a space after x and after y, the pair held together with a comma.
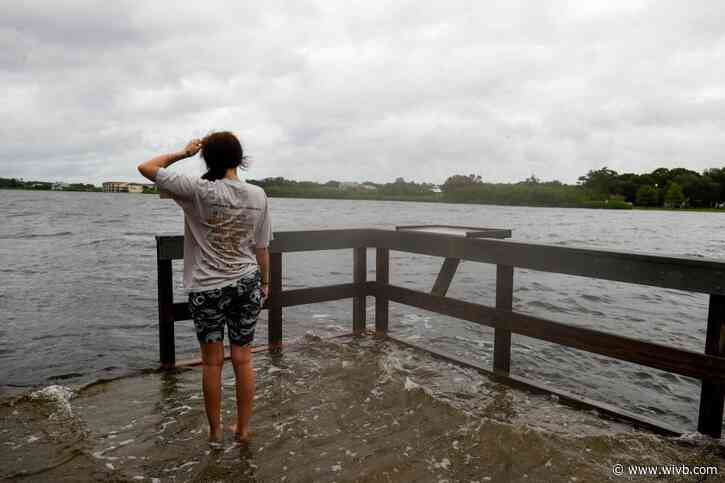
x: 78, y: 298
x: 342, y: 410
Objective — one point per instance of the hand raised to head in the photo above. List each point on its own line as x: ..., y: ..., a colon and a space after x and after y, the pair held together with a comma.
x: 192, y: 148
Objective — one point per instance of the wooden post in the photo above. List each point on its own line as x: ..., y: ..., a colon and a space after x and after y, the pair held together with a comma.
x: 504, y: 301
x: 712, y: 394
x: 359, y: 275
x: 382, y: 276
x: 445, y: 276
x: 274, y: 315
x: 167, y: 351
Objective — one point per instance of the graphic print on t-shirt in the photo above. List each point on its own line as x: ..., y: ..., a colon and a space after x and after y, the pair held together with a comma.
x: 230, y: 228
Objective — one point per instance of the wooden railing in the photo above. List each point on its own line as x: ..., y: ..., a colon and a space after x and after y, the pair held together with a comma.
x: 692, y: 275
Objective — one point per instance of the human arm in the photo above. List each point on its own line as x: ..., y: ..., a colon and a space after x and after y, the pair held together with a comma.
x: 149, y: 169
x: 262, y: 237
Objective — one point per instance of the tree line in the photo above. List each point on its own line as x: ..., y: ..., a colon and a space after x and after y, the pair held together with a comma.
x: 602, y: 188
x: 675, y: 188
x: 15, y: 183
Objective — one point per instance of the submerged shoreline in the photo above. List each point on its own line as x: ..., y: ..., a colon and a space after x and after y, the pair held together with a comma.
x: 327, y: 411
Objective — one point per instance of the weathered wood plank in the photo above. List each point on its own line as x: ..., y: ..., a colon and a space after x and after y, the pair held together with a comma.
x: 504, y: 302
x: 712, y: 395
x: 298, y: 241
x: 274, y: 316
x: 360, y: 269
x: 564, y: 396
x: 382, y: 276
x: 445, y: 277
x: 291, y: 298
x: 170, y: 247
x: 658, y: 356
x: 167, y: 350
x: 691, y: 274
x: 328, y: 293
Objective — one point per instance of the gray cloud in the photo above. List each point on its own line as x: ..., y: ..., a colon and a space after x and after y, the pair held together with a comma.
x: 375, y: 90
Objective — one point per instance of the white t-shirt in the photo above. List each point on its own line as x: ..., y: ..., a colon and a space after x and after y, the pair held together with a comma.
x: 224, y: 221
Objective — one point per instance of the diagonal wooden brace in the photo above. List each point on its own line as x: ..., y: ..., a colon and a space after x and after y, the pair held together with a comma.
x: 445, y: 277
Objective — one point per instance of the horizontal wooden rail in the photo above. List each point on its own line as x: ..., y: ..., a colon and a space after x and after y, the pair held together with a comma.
x: 300, y: 296
x: 680, y: 273
x: 172, y: 247
x: 678, y: 361
x: 689, y: 274
x: 328, y: 293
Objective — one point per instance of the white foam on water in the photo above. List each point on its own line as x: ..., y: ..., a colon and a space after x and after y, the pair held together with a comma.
x: 99, y: 455
x: 410, y: 385
x: 57, y: 395
x: 167, y: 423
x: 33, y: 438
x: 184, y: 409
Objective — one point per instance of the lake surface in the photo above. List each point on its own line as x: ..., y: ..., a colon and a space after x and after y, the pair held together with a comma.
x: 78, y: 291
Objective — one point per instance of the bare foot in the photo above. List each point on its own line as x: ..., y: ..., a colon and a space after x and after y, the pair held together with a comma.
x: 241, y: 437
x: 216, y: 438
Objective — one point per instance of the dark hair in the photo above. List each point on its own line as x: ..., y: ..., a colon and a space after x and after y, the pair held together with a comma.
x: 221, y: 151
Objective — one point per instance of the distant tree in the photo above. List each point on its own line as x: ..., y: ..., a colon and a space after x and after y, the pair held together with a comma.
x: 675, y: 197
x: 601, y: 183
x: 532, y: 180
x: 717, y: 176
x: 646, y: 196
x: 459, y: 181
x: 661, y: 177
x: 627, y: 185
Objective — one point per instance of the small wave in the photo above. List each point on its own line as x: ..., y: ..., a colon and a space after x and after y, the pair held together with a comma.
x: 540, y: 304
x: 57, y: 396
x: 35, y: 235
x: 62, y: 377
x: 24, y: 214
x: 94, y: 242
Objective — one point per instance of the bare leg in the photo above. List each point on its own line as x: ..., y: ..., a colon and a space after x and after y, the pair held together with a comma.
x: 244, y: 373
x: 212, y: 356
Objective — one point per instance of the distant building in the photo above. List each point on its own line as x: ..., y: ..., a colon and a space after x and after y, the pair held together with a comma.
x: 350, y: 185
x: 59, y: 186
x: 122, y: 187
x: 346, y: 185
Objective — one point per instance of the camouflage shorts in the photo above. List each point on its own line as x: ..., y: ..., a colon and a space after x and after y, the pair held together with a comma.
x: 236, y: 305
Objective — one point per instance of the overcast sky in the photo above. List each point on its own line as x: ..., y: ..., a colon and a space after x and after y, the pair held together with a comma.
x: 364, y: 90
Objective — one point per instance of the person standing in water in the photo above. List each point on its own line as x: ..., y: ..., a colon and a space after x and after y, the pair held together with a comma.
x: 227, y: 230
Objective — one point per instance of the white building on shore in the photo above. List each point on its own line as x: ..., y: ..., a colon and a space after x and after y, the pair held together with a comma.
x: 122, y: 187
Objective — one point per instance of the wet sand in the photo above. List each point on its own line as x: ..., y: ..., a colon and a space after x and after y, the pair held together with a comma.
x: 328, y: 410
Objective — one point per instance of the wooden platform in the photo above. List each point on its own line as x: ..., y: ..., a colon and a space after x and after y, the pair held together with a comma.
x: 473, y: 244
